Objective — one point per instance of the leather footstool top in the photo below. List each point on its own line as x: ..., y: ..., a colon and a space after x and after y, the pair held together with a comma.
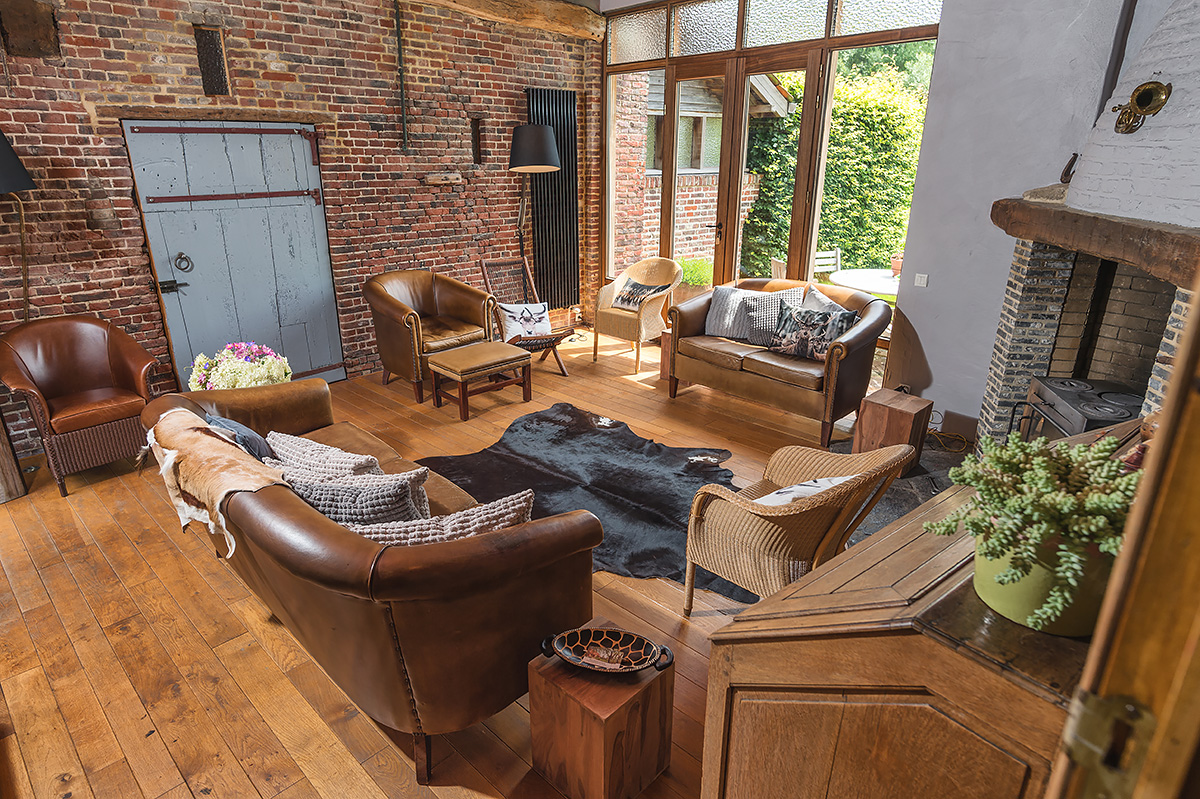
x: 474, y: 359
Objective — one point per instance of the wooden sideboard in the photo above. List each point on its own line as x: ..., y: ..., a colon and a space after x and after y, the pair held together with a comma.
x: 882, y: 675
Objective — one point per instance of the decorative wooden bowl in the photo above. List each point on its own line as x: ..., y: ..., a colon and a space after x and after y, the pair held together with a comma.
x: 608, y: 650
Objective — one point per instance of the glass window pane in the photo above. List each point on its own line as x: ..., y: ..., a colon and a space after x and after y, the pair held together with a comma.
x: 866, y: 16
x: 637, y: 37
x: 695, y: 190
x: 709, y: 26
x: 769, y: 180
x: 635, y: 108
x: 778, y: 21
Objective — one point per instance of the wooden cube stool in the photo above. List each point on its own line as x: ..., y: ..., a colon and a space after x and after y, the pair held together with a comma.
x: 475, y: 362
x: 599, y: 736
x: 889, y: 417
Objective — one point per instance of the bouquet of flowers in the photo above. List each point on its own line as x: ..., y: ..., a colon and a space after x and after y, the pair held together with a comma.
x: 239, y: 365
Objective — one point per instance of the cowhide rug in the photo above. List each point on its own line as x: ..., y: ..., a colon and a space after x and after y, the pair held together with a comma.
x: 572, y: 459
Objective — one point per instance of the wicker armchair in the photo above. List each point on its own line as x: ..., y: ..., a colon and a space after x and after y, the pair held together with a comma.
x: 647, y: 321
x: 85, y: 382
x: 763, y: 548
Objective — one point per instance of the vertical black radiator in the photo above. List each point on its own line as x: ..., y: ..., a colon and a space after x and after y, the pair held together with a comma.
x: 555, y: 201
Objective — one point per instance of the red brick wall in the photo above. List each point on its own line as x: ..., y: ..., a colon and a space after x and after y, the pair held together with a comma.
x: 306, y: 61
x: 695, y: 209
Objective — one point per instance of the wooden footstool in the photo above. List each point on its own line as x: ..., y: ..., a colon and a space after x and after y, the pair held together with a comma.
x: 599, y: 736
x: 477, y: 362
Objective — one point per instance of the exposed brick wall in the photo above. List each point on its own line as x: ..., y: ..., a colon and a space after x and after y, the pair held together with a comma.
x: 306, y: 61
x: 1131, y: 327
x: 631, y: 213
x: 1163, y: 366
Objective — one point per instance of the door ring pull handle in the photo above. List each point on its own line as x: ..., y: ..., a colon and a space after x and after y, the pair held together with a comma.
x: 182, y: 262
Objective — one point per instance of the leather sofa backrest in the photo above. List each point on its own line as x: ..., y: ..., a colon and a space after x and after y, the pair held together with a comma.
x: 413, y: 287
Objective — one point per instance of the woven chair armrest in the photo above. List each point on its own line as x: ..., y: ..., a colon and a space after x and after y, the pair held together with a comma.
x: 791, y: 465
x: 607, y: 292
x: 710, y: 493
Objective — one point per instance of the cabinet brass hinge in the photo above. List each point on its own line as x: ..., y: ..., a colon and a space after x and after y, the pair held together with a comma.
x: 1107, y: 739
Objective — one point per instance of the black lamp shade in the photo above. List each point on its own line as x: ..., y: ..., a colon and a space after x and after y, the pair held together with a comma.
x: 533, y: 149
x: 13, y: 176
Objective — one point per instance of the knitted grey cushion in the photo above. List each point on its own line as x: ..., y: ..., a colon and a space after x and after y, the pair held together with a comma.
x: 377, y: 500
x: 763, y: 313
x: 495, y: 515
x: 725, y: 315
x: 312, y: 462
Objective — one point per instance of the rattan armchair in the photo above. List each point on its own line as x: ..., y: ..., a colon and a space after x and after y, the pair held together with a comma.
x: 85, y: 381
x: 647, y: 321
x: 763, y: 548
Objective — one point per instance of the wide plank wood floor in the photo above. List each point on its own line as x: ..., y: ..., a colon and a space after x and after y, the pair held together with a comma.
x: 133, y: 663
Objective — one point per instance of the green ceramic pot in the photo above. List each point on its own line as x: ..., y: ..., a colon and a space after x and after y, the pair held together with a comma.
x: 1019, y: 600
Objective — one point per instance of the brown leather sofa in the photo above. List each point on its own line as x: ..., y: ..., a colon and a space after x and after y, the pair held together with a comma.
x: 424, y: 639
x: 85, y: 381
x: 417, y: 312
x: 825, y: 391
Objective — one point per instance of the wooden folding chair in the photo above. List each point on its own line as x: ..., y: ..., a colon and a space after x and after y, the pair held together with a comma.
x: 546, y: 344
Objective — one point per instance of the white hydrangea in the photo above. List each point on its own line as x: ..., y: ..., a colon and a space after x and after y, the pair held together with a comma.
x: 239, y: 365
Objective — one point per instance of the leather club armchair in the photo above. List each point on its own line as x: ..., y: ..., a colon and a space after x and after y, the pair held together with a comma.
x: 418, y: 312
x: 85, y: 381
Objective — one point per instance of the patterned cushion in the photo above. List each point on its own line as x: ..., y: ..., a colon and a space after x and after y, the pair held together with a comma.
x: 524, y: 319
x: 496, y: 515
x: 726, y: 317
x: 309, y: 462
x: 762, y: 312
x: 814, y: 300
x: 782, y: 496
x: 808, y: 334
x: 246, y: 438
x: 377, y: 500
x: 633, y: 294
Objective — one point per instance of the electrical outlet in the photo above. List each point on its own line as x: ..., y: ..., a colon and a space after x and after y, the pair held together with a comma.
x: 920, y: 281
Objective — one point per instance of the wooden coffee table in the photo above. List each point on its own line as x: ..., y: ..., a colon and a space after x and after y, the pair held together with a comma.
x: 476, y: 362
x: 599, y: 736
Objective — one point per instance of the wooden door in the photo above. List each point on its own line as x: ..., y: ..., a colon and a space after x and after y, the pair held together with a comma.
x: 1146, y: 651
x: 236, y: 230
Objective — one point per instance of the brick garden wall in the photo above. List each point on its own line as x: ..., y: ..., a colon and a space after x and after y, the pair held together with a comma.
x: 333, y: 65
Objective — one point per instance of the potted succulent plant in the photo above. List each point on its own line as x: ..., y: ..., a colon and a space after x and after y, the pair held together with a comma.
x: 1048, y: 523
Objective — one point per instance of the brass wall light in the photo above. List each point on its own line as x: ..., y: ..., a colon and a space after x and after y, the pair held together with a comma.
x: 1146, y: 101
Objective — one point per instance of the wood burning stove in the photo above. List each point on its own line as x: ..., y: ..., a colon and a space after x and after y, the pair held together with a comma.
x: 1064, y: 406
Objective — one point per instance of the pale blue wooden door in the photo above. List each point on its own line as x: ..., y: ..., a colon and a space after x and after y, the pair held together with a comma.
x: 244, y: 257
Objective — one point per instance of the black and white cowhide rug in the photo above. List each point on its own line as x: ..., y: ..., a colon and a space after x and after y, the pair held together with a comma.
x: 572, y: 459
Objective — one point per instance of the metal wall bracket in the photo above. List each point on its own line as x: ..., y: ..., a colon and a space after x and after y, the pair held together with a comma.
x: 1107, y: 738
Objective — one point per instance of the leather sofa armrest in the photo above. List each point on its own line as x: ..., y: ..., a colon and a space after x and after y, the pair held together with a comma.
x: 873, y: 320
x: 688, y: 318
x: 455, y: 568
x: 462, y: 301
x: 295, y: 408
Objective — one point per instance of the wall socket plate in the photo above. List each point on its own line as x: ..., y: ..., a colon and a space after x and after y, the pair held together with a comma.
x: 920, y: 281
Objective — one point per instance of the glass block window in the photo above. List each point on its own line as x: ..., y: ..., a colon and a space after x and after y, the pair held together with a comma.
x: 779, y: 21
x: 867, y: 16
x: 708, y: 26
x: 641, y: 36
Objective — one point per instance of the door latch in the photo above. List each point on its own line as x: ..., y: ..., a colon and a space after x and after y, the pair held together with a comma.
x: 1107, y: 738
x: 170, y: 286
x: 718, y: 228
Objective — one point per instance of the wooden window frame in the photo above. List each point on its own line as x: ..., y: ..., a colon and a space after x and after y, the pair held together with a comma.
x: 814, y: 56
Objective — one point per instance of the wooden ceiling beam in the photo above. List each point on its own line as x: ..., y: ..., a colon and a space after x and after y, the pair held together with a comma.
x: 553, y: 16
x: 1168, y: 252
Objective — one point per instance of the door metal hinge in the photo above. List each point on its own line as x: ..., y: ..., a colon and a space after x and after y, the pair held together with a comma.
x: 1107, y: 739
x: 170, y: 286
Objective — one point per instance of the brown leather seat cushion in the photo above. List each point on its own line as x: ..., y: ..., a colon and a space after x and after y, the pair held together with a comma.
x: 92, y: 407
x: 723, y: 352
x: 444, y: 496
x: 786, y: 369
x: 482, y: 357
x: 445, y: 332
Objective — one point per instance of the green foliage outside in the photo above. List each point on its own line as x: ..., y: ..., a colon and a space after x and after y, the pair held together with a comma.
x: 697, y: 271
x: 1039, y: 503
x: 874, y: 142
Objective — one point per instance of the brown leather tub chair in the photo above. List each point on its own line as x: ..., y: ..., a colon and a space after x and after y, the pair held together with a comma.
x: 417, y: 312
x: 85, y: 382
x: 425, y: 639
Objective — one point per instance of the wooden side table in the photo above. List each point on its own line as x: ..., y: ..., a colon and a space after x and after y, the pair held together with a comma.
x: 892, y: 417
x: 599, y: 736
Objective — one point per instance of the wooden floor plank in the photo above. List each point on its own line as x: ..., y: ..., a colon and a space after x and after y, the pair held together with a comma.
x: 17, y: 652
x: 116, y: 780
x: 14, y: 780
x: 24, y: 581
x: 53, y: 767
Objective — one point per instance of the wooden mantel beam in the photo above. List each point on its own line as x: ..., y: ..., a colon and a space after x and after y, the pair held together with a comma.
x: 554, y: 16
x: 1168, y: 252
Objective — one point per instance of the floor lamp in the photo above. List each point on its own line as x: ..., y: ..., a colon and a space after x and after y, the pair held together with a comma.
x: 14, y: 178
x: 533, y: 150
